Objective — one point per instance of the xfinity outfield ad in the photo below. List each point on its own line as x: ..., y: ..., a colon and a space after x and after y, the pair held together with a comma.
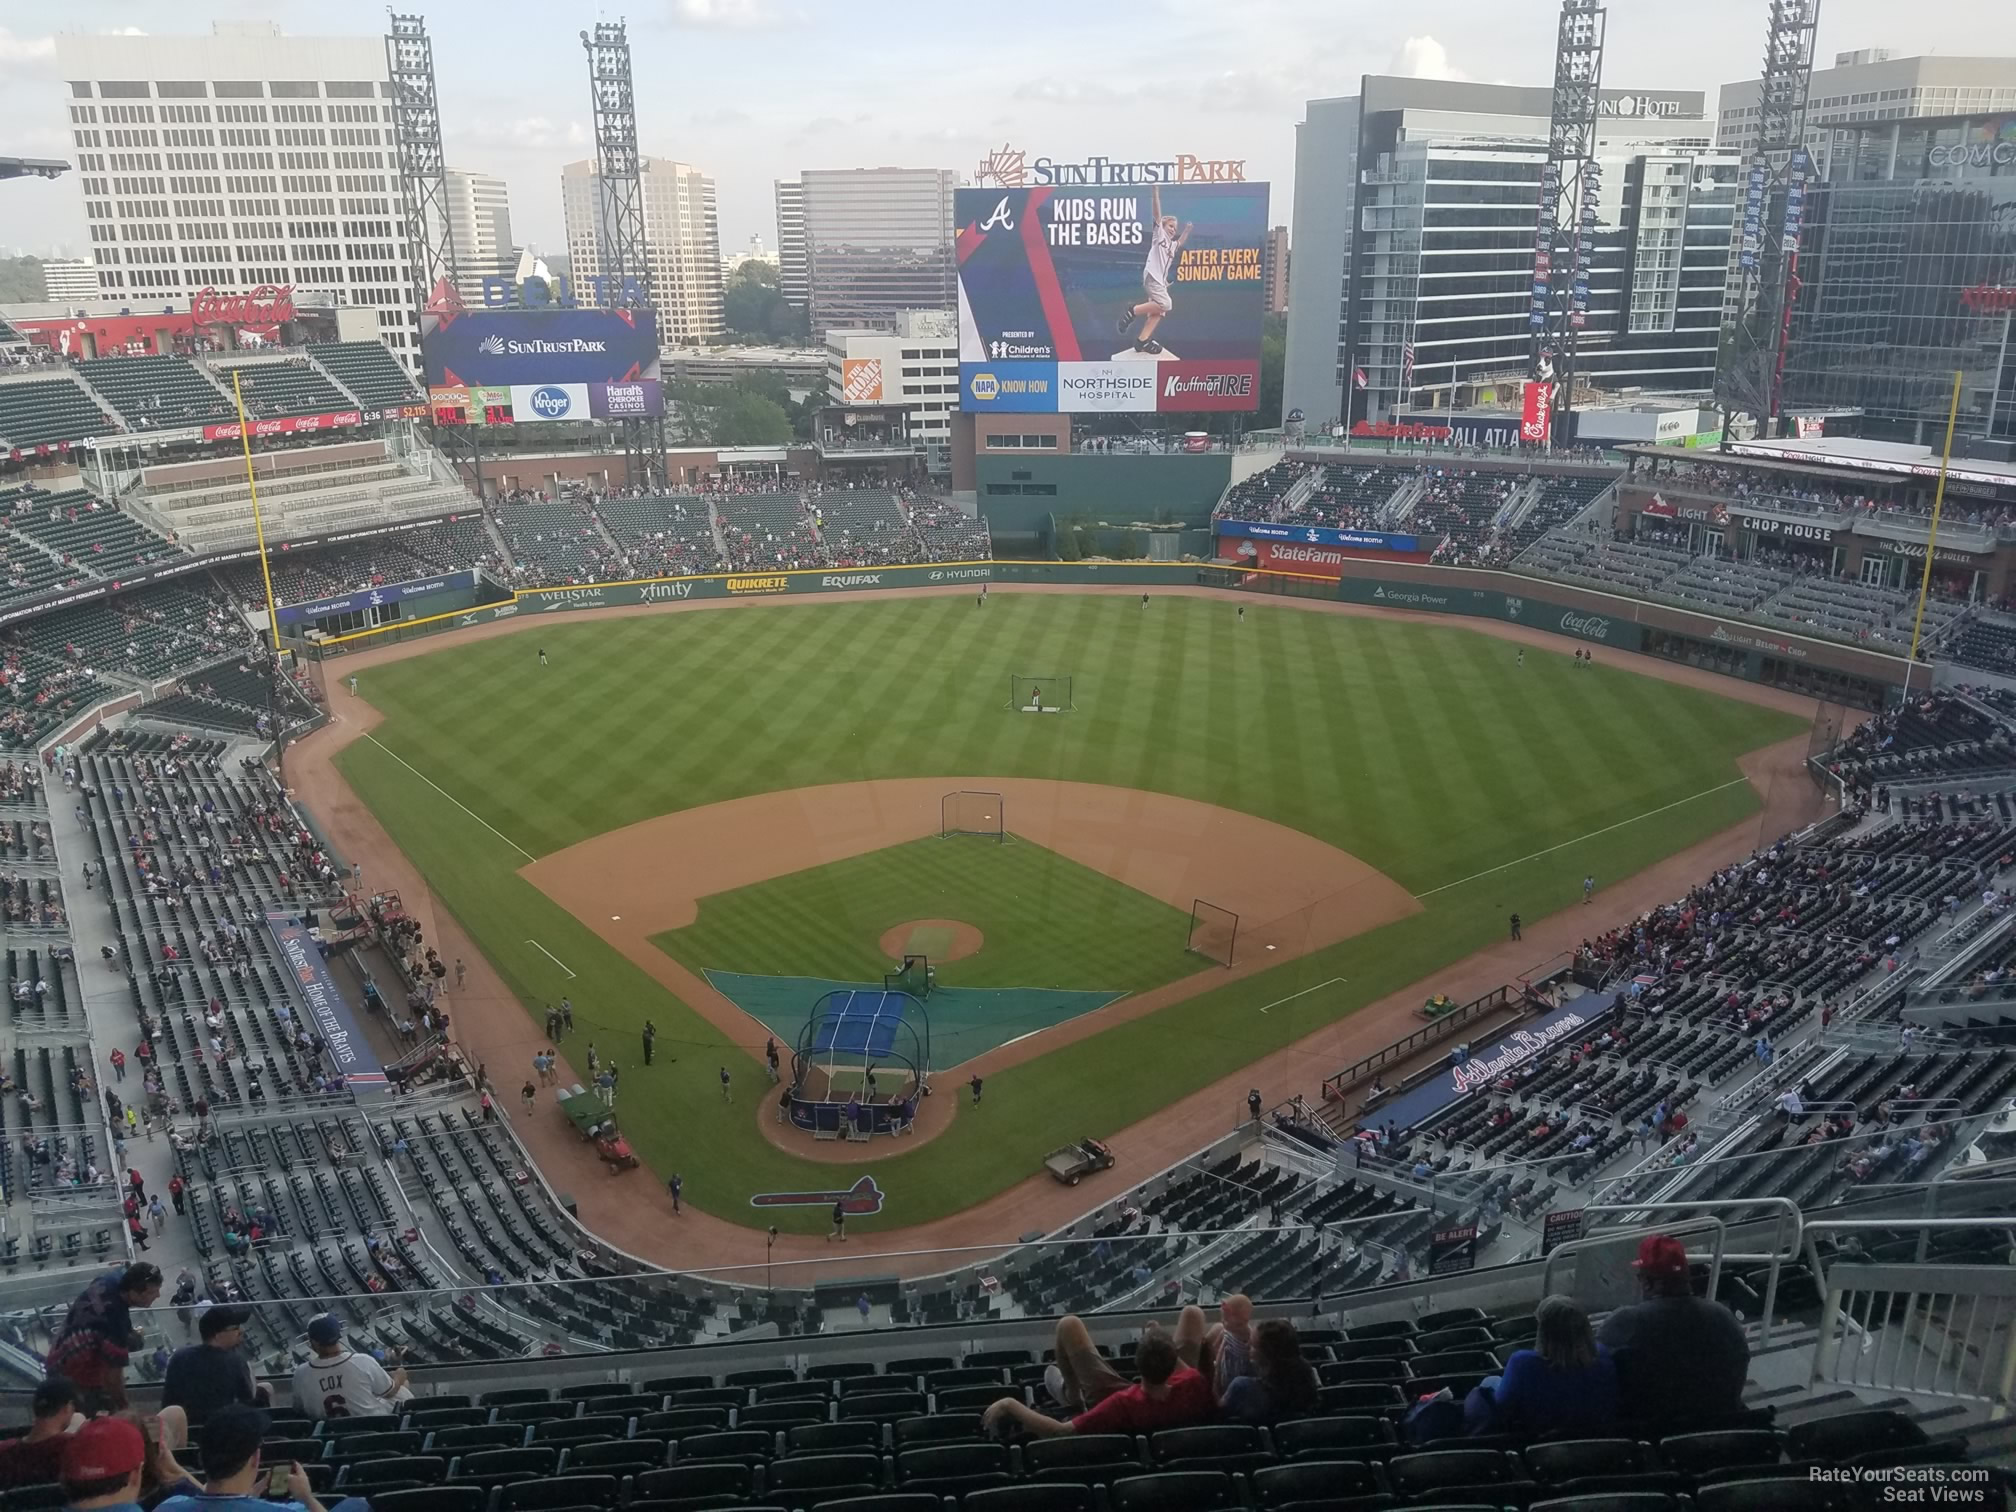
x: 1136, y: 297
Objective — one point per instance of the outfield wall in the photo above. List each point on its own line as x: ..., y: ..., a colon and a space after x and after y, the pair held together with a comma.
x: 1842, y: 673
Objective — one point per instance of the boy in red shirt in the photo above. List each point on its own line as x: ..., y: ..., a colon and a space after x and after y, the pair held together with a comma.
x: 1171, y: 1394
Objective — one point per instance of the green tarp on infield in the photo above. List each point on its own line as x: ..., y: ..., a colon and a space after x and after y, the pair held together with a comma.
x: 965, y: 1021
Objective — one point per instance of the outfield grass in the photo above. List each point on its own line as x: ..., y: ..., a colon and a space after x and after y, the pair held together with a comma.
x: 1046, y: 921
x: 1421, y: 748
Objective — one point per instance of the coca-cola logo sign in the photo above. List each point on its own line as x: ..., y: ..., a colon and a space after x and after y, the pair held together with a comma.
x: 268, y: 304
x: 1588, y: 626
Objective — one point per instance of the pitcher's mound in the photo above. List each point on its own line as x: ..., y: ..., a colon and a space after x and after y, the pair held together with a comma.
x: 939, y: 939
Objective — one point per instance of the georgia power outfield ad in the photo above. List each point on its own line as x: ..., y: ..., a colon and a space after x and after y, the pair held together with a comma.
x: 1136, y: 298
x: 543, y: 364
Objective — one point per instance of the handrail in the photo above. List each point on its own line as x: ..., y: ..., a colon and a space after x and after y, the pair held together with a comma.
x: 1436, y: 1029
x: 1710, y: 1217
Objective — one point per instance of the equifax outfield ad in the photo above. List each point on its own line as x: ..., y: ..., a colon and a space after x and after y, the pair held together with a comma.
x: 1116, y: 299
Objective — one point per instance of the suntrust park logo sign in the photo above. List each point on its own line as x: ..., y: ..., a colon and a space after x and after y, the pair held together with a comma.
x: 1011, y: 168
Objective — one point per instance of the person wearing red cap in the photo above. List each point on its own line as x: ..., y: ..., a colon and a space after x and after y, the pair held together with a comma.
x: 1679, y: 1357
x: 101, y: 1467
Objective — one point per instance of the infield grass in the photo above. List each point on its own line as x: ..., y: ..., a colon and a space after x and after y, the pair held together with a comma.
x: 1045, y: 920
x: 1421, y: 748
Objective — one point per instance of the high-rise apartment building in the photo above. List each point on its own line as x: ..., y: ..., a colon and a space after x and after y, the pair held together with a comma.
x: 791, y: 242
x: 1869, y: 86
x: 878, y: 241
x: 682, y: 237
x: 1326, y: 188
x: 479, y: 219
x: 69, y: 278
x: 1274, y: 269
x: 241, y: 158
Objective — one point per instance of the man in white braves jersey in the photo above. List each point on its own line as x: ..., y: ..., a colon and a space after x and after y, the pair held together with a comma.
x: 339, y: 1382
x: 1165, y: 244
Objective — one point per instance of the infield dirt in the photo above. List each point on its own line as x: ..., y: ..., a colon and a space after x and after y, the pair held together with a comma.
x: 493, y: 1026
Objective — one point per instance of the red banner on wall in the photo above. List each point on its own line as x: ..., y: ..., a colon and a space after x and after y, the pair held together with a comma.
x: 1535, y: 413
x: 285, y: 425
x: 1308, y: 561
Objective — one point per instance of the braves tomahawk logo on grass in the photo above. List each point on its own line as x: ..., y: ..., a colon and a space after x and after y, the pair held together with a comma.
x: 859, y: 1200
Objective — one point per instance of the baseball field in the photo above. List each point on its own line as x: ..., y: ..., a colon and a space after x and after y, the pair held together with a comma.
x: 695, y: 818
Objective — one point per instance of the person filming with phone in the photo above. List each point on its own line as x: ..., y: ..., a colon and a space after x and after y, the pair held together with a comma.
x: 236, y: 1479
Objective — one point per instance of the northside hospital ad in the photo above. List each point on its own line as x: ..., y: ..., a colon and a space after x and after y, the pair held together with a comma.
x: 1108, y: 287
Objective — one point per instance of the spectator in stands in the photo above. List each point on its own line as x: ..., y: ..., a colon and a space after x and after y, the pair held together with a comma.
x: 102, y: 1464
x: 1566, y: 1383
x: 233, y: 1475
x: 213, y: 1374
x: 1678, y: 1356
x: 96, y: 1337
x: 36, y: 1458
x: 1172, y: 1392
x: 1281, y: 1384
x: 340, y: 1382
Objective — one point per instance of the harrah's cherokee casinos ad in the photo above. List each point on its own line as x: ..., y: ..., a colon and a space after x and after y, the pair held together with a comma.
x: 1135, y: 297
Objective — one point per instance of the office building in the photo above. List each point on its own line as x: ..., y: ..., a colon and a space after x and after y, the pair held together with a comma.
x: 69, y: 278
x: 682, y: 239
x: 241, y: 158
x: 791, y: 242
x: 1435, y: 281
x: 479, y: 220
x: 1870, y: 86
x: 878, y: 242
x: 1274, y: 269
x: 1907, y: 269
x: 914, y: 368
x: 1326, y: 186
x: 1905, y: 254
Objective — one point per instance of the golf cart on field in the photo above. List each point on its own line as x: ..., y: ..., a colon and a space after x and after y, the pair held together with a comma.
x: 1073, y: 1161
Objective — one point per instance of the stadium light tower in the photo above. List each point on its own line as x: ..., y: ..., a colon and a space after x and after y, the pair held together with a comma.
x: 619, y: 220
x: 423, y: 172
x: 1564, y: 238
x: 1751, y: 375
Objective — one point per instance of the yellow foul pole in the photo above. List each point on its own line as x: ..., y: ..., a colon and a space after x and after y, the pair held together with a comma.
x: 259, y: 526
x: 1932, y: 540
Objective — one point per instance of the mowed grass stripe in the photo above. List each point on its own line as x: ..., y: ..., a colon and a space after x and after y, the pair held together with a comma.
x: 1047, y: 921
x: 690, y: 709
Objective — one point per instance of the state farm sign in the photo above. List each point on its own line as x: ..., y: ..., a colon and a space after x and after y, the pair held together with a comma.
x: 268, y: 304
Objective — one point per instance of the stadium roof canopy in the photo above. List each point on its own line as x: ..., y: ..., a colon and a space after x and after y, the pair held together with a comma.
x: 1840, y: 457
x: 15, y: 167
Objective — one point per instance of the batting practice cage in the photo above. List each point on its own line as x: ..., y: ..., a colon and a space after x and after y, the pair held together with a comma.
x: 1040, y: 695
x: 1214, y: 931
x: 861, y: 1062
x: 971, y: 813
x: 914, y: 977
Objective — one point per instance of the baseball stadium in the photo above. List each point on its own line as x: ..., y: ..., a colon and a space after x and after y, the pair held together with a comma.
x: 1057, y: 976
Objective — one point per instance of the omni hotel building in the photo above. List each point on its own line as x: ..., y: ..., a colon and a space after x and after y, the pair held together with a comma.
x: 1435, y: 259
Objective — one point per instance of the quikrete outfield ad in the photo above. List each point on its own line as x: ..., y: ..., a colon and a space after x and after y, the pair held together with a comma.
x: 1419, y: 752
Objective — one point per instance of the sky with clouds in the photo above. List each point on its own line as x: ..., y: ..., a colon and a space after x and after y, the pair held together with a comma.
x: 755, y: 90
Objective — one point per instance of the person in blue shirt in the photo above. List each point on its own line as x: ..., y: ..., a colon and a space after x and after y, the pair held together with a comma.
x: 1566, y: 1383
x: 234, y: 1479
x: 1277, y: 1383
